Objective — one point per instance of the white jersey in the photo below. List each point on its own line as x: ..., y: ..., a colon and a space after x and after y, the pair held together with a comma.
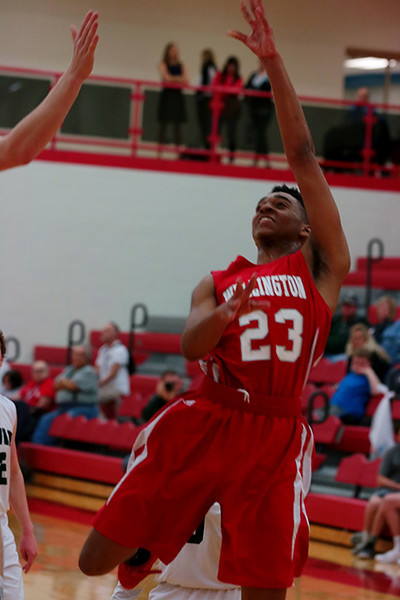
x: 8, y: 416
x: 196, y: 565
x: 192, y: 575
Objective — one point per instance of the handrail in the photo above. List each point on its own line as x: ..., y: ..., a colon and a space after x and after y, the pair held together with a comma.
x: 17, y: 348
x: 134, y: 144
x: 72, y: 341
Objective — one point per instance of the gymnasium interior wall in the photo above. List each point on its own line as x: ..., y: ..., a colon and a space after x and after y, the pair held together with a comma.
x: 84, y: 242
x: 312, y: 35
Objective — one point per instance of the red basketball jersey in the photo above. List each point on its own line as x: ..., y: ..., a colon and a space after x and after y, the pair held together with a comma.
x: 270, y: 351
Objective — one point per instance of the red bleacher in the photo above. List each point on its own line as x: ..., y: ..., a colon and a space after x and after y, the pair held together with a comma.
x: 384, y: 274
x: 110, y: 434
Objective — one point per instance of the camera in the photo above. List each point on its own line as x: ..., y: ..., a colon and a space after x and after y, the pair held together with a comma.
x: 169, y: 386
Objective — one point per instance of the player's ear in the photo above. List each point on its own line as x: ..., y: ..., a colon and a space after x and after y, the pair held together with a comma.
x: 305, y: 231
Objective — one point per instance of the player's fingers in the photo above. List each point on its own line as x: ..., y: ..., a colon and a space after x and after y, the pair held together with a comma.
x: 29, y: 558
x: 87, y: 18
x: 245, y: 12
x: 91, y: 34
x: 74, y: 31
x: 237, y: 35
x: 86, y: 27
x: 90, y: 30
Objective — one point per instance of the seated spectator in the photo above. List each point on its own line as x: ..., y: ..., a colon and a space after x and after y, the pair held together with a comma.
x: 169, y: 386
x: 12, y: 384
x: 391, y: 341
x: 344, y: 318
x: 112, y: 368
x: 361, y: 337
x: 38, y: 394
x: 385, y: 307
x: 76, y: 394
x: 383, y: 508
x: 356, y: 388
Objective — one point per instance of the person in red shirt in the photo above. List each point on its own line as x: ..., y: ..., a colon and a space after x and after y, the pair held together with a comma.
x: 39, y: 392
x: 230, y: 78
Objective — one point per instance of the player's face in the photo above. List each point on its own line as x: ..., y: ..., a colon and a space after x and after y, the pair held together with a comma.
x: 279, y: 216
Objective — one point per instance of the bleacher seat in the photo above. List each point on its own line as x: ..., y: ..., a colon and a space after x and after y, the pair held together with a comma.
x: 144, y: 385
x: 354, y: 438
x: 327, y: 432
x: 358, y: 471
x: 132, y: 406
x: 54, y: 355
x: 109, y: 434
x: 327, y: 372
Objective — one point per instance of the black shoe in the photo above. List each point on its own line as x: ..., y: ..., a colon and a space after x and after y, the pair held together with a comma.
x: 365, y: 550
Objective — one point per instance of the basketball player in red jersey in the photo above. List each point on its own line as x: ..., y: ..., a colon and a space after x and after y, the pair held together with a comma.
x: 24, y: 142
x: 240, y: 439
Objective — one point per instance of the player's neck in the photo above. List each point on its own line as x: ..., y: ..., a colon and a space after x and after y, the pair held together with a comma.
x: 267, y: 254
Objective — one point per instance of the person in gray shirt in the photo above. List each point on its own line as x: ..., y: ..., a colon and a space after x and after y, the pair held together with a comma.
x: 76, y: 394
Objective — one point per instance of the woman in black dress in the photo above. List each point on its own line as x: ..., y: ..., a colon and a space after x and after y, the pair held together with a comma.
x: 171, y: 108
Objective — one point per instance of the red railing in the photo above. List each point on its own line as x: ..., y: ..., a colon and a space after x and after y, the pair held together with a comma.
x: 135, y: 145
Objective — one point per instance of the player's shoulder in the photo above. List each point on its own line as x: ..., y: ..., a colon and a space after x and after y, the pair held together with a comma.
x: 7, y: 406
x: 237, y: 265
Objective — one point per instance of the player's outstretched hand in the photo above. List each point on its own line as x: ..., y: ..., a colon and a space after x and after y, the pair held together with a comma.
x: 85, y: 42
x: 261, y: 39
x: 241, y: 302
x: 28, y: 550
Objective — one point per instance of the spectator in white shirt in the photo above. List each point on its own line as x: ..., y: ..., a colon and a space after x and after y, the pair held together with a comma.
x: 112, y: 368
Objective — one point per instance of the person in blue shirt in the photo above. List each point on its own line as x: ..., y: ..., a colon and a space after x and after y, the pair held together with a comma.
x: 356, y: 388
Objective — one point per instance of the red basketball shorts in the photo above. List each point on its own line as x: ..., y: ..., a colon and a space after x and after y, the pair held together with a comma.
x: 198, y: 451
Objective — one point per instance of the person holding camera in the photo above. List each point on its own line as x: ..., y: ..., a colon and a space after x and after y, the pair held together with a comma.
x: 167, y: 388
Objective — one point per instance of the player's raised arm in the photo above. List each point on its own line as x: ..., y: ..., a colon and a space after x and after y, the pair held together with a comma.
x: 327, y: 240
x: 24, y: 142
x: 207, y: 321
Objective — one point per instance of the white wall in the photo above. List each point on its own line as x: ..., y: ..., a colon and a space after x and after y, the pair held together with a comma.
x: 88, y: 242
x: 313, y: 35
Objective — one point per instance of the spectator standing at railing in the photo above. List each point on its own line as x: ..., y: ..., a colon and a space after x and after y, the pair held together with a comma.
x: 260, y: 110
x: 76, y: 394
x: 112, y: 368
x: 358, y: 115
x: 229, y: 77
x: 171, y: 107
x: 208, y: 70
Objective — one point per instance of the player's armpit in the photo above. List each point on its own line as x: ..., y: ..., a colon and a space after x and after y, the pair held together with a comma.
x: 99, y: 555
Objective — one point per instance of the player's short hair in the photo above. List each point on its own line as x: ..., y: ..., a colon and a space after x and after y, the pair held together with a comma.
x: 2, y: 344
x: 292, y: 191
